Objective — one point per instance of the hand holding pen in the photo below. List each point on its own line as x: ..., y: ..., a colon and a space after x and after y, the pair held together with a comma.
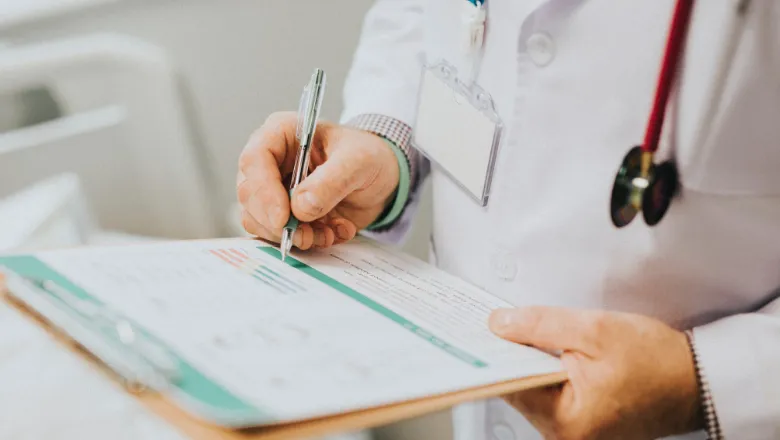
x: 353, y: 178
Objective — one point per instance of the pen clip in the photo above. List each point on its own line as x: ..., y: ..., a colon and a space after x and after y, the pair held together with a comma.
x: 302, y: 106
x: 308, y: 116
x: 310, y: 106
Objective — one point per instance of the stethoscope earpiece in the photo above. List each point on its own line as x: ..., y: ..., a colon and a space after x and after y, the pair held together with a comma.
x: 650, y: 190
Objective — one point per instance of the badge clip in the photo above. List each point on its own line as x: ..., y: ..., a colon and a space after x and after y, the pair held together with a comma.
x: 474, y: 17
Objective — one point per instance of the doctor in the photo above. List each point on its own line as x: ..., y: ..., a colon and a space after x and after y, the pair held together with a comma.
x: 655, y: 272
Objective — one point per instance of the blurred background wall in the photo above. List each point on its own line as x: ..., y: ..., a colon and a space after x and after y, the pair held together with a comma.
x: 233, y: 62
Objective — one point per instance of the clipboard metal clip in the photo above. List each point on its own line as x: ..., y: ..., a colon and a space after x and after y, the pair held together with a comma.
x: 142, y: 363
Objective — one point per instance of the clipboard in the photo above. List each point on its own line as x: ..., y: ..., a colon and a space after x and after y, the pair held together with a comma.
x: 194, y: 406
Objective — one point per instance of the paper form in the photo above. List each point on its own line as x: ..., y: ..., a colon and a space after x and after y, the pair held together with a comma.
x: 329, y: 331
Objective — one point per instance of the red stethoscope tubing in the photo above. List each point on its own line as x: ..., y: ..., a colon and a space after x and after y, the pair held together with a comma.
x: 669, y: 67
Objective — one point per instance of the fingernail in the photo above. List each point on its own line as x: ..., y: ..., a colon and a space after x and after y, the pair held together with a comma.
x: 313, y: 202
x: 342, y: 231
x: 501, y: 319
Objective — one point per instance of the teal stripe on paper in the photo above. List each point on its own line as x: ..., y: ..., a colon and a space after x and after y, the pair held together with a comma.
x: 373, y: 305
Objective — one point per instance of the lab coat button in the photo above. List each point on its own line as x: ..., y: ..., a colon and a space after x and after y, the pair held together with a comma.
x: 540, y: 48
x: 503, y: 432
x: 504, y: 265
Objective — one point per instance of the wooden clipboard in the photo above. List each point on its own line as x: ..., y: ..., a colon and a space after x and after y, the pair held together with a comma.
x: 348, y: 422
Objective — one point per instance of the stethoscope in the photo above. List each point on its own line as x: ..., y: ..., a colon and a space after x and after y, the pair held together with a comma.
x: 640, y: 183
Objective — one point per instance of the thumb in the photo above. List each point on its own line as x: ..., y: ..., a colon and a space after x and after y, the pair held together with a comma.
x: 329, y: 184
x: 548, y: 328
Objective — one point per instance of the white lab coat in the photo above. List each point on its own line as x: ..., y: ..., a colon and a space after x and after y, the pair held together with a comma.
x: 573, y: 81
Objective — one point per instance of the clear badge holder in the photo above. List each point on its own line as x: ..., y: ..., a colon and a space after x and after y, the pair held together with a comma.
x: 458, y: 129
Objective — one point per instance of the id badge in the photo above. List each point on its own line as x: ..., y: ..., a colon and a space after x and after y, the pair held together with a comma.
x: 458, y: 129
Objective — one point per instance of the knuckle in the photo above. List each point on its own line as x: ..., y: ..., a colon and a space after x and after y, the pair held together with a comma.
x: 277, y: 117
x: 244, y: 192
x: 275, y: 124
x: 598, y: 327
x: 246, y: 159
x: 599, y: 324
x: 271, y: 120
x: 248, y: 223
x: 280, y: 122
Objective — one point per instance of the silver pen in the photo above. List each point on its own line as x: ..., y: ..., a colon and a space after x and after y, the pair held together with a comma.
x: 308, y: 116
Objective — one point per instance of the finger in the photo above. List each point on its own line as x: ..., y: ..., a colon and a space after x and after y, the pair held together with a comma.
x: 276, y: 136
x: 540, y: 402
x: 539, y: 406
x: 344, y: 229
x: 252, y: 226
x: 302, y: 239
x: 549, y: 328
x: 323, y: 234
x: 344, y: 172
x: 262, y: 163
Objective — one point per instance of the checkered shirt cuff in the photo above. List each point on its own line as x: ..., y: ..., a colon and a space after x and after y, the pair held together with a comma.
x: 712, y: 426
x: 393, y: 130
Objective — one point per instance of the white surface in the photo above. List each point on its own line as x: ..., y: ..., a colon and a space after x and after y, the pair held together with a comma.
x: 261, y: 341
x: 49, y: 393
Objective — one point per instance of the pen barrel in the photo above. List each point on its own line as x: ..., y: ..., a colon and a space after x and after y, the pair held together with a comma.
x: 301, y: 167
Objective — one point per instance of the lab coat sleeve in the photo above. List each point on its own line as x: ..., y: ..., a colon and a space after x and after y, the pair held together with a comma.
x: 739, y: 355
x: 384, y: 79
x: 740, y: 359
x: 387, y: 63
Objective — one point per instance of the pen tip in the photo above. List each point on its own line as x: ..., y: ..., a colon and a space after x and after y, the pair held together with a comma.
x: 285, y: 245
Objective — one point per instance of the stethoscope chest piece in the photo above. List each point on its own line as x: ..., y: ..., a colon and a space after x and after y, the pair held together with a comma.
x: 640, y: 185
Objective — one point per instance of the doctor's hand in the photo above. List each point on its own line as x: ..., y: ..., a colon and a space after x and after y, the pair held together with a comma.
x: 353, y: 178
x: 630, y: 377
